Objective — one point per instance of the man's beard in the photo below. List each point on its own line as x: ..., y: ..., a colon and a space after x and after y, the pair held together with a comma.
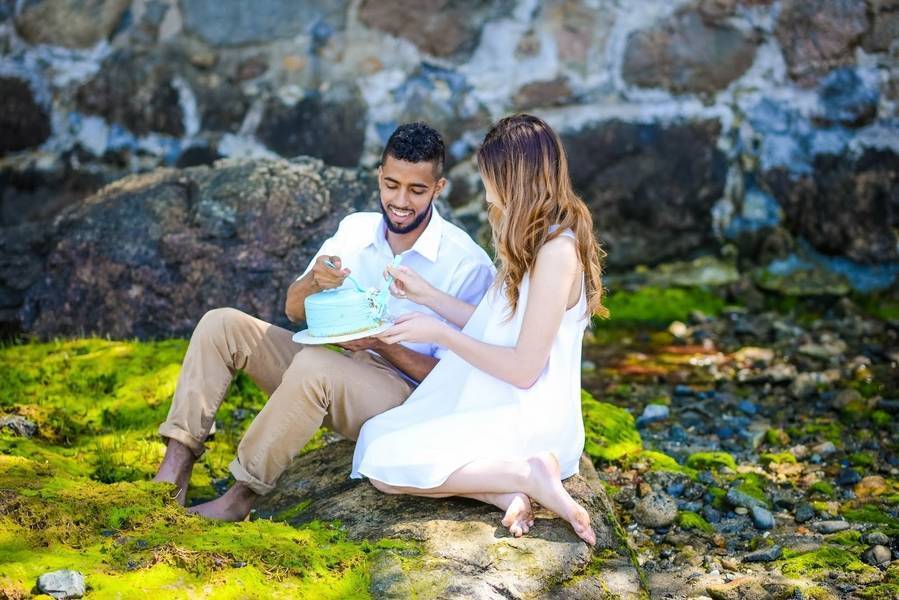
x: 411, y: 226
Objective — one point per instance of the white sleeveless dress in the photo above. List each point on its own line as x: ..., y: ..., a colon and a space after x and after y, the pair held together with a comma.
x: 460, y: 414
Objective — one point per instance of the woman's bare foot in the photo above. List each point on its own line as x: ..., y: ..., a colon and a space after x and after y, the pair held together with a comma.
x: 176, y: 468
x: 519, y: 517
x: 233, y: 505
x: 545, y: 486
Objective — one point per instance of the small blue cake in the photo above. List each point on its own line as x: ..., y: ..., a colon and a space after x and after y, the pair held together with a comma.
x: 342, y: 311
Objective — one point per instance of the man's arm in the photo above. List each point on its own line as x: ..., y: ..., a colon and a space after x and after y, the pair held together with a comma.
x: 414, y: 364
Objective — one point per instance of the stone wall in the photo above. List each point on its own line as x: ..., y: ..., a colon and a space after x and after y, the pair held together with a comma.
x: 690, y: 123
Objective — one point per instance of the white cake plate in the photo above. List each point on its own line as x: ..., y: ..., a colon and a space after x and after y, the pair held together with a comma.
x: 303, y: 337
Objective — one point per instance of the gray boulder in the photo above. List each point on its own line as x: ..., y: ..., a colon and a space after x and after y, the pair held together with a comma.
x: 466, y: 552
x: 62, y: 584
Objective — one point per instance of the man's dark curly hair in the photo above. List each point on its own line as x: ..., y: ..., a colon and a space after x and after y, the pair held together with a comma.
x: 416, y: 142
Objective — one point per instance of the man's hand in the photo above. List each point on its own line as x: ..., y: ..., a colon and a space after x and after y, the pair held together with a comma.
x: 366, y: 343
x: 326, y: 277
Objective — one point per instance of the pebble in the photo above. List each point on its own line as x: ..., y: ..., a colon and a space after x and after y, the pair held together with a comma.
x: 804, y: 512
x: 769, y: 554
x: 655, y: 510
x: 830, y: 526
x: 877, y: 555
x: 19, y: 425
x: 677, y: 434
x: 683, y: 390
x: 653, y: 413
x: 824, y: 448
x: 891, y: 406
x: 724, y: 432
x: 762, y: 518
x: 711, y: 515
x: 62, y: 584
x: 741, y: 510
x: 876, y: 538
x: 848, y: 476
x: 747, y: 407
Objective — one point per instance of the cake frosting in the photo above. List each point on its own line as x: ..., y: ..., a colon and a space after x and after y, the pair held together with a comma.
x: 342, y: 311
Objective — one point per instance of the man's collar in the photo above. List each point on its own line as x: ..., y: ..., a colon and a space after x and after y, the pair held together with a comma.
x: 427, y: 244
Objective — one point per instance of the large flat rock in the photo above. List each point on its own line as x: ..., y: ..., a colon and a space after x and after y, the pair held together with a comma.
x: 465, y: 550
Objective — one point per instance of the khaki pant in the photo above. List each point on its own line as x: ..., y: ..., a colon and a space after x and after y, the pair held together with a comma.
x: 308, y: 386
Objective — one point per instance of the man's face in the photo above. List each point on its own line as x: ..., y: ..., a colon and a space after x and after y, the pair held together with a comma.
x: 407, y: 190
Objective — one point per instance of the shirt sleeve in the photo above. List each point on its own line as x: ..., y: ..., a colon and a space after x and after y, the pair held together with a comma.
x: 473, y: 283
x: 333, y: 246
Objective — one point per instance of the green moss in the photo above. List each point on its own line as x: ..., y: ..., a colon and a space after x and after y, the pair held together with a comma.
x: 659, y: 461
x: 777, y: 437
x: 778, y: 458
x: 862, y: 459
x: 711, y: 460
x: 850, y: 538
x: 692, y: 520
x: 821, y: 488
x: 753, y: 484
x: 871, y: 513
x: 658, y: 306
x: 879, y: 306
x: 821, y: 427
x: 881, y: 419
x: 818, y: 563
x: 610, y: 431
x: 77, y: 494
x: 718, y: 497
x: 882, y: 591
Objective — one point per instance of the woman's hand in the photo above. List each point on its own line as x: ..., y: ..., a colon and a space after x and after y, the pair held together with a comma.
x: 415, y: 327
x: 409, y: 285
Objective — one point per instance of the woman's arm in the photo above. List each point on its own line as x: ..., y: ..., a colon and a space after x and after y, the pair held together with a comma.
x: 552, y: 279
x: 411, y: 286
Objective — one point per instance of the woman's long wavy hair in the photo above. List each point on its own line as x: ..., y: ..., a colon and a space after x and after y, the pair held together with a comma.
x: 523, y: 161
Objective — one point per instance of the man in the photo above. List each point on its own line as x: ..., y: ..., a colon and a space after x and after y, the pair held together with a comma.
x: 309, y: 386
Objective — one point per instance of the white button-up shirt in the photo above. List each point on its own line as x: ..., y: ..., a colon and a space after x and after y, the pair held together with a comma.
x: 443, y: 255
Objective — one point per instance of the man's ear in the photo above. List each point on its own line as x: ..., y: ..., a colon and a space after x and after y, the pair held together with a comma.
x: 441, y: 184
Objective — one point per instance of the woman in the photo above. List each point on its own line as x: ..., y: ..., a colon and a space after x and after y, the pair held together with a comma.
x: 499, y: 418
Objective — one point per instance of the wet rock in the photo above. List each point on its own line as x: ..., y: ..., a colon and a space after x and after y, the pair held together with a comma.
x: 235, y: 234
x: 825, y: 527
x: 768, y: 554
x: 847, y: 477
x: 436, y: 27
x: 884, y: 29
x: 19, y: 425
x: 651, y: 186
x: 824, y: 448
x: 228, y: 24
x: 876, y: 538
x: 134, y: 90
x: 847, y: 99
x: 655, y: 510
x: 300, y: 129
x: 741, y: 588
x: 652, y: 413
x: 804, y: 512
x: 741, y: 499
x: 891, y: 406
x: 747, y: 407
x: 62, y: 584
x: 70, y: 23
x: 877, y: 555
x: 23, y: 122
x: 816, y: 38
x: 711, y: 515
x: 762, y: 518
x: 467, y: 551
x: 812, y: 205
x: 688, y: 54
x: 872, y: 485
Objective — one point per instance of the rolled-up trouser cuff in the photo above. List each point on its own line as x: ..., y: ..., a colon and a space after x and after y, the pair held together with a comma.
x: 248, y: 479
x: 179, y: 435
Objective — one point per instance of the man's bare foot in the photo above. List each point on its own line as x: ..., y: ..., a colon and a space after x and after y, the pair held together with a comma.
x: 233, y: 505
x: 519, y: 517
x: 176, y: 468
x: 545, y: 486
